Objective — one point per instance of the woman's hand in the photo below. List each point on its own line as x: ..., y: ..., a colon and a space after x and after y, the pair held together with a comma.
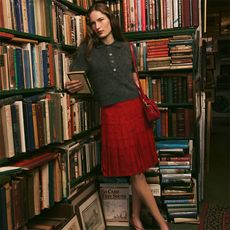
x: 74, y: 86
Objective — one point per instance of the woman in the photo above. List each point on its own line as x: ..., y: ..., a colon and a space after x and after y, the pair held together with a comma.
x: 128, y: 147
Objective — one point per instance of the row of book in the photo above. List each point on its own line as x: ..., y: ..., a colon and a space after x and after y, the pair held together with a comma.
x: 33, y: 122
x: 79, y: 158
x: 32, y: 65
x: 27, y: 16
x: 68, y: 28
x: 26, y: 66
x: 147, y: 15
x: 169, y: 88
x: 176, y: 122
x: 85, y: 4
x: 174, y: 52
x: 26, y: 194
x: 31, y: 186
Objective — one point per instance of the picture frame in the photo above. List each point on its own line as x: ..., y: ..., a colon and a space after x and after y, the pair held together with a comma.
x: 90, y: 213
x: 225, y: 22
x: 81, y: 75
x: 115, y: 203
x: 72, y: 224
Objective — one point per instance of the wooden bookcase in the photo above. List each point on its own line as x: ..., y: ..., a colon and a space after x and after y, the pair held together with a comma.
x: 37, y: 116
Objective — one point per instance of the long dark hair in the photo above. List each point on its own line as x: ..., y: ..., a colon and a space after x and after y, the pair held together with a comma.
x: 91, y: 39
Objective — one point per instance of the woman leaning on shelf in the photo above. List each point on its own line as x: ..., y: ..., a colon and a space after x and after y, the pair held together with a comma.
x: 128, y: 147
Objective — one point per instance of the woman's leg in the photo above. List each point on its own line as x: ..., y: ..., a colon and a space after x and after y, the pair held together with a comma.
x: 145, y: 195
x: 136, y: 208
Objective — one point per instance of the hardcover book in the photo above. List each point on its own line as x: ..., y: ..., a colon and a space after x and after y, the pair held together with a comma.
x: 115, y: 203
x: 81, y: 75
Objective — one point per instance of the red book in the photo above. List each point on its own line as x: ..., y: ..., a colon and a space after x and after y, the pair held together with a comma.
x: 51, y: 64
x: 125, y: 15
x: 143, y: 16
x: 36, y: 161
x: 158, y: 42
x: 195, y: 13
x: 186, y: 13
x: 6, y: 35
x: 1, y: 15
x: 161, y: 48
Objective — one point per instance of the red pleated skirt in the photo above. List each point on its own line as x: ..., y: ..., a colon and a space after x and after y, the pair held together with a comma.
x: 128, y: 146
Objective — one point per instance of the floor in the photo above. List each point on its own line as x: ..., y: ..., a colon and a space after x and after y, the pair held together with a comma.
x: 217, y: 172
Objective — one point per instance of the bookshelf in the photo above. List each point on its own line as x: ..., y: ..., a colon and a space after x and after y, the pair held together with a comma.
x: 39, y: 119
x: 166, y: 35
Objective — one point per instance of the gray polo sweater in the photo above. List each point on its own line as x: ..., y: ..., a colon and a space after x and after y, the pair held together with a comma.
x: 109, y: 70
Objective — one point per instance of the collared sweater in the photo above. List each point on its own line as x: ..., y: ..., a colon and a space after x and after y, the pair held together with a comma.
x: 109, y: 70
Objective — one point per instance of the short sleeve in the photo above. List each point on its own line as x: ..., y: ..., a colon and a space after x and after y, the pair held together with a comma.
x: 79, y: 61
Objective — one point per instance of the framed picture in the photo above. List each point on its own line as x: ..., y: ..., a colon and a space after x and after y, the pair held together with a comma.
x: 72, y: 224
x: 225, y: 23
x: 91, y: 213
x: 81, y: 75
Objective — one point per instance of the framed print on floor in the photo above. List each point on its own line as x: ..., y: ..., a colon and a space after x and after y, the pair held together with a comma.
x: 72, y: 224
x: 90, y: 212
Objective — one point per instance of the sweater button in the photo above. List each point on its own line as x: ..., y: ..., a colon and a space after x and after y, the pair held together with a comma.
x: 110, y: 54
x: 114, y: 70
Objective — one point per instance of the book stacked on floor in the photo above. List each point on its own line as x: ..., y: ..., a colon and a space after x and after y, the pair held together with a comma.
x: 178, y: 188
x: 115, y: 198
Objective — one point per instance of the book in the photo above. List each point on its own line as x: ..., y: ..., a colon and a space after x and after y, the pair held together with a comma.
x: 81, y: 75
x: 115, y: 203
x: 9, y: 170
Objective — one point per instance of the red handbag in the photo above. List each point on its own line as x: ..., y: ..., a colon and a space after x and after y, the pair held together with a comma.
x: 152, y: 111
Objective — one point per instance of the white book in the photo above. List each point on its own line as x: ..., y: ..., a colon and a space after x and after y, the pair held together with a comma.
x: 169, y: 14
x: 175, y: 14
x: 7, y: 131
x: 64, y: 116
x: 155, y: 189
x: 38, y: 67
x: 27, y: 47
x: 24, y: 16
x: 7, y: 14
x: 47, y: 122
x: 19, y: 108
x: 37, y: 17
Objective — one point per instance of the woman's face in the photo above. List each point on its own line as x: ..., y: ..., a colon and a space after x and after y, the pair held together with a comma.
x: 101, y: 25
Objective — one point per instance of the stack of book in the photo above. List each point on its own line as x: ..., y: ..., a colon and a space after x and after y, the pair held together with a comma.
x: 181, y: 51
x: 158, y: 54
x: 178, y: 186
